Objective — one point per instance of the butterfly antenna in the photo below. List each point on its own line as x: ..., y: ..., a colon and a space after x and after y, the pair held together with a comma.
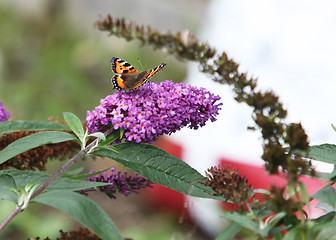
x: 140, y: 64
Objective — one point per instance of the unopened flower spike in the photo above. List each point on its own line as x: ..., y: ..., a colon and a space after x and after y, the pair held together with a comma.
x: 122, y: 183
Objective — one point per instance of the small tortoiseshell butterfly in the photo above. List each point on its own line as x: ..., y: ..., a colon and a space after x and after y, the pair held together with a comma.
x: 127, y: 77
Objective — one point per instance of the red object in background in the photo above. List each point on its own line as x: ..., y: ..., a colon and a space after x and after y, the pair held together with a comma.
x: 167, y: 199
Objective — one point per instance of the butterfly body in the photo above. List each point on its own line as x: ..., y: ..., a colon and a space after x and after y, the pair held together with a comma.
x: 127, y: 77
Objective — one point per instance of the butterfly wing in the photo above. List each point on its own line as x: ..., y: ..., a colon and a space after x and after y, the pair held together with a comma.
x: 150, y: 73
x: 128, y: 82
x: 120, y: 66
x: 127, y: 77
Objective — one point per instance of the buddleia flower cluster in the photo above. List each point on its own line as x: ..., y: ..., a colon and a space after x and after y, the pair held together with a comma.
x: 153, y: 110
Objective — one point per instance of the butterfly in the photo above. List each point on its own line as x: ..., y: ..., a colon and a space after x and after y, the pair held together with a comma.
x: 127, y: 77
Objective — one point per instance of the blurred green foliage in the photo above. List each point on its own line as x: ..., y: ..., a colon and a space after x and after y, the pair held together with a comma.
x: 49, y: 65
x: 37, y: 220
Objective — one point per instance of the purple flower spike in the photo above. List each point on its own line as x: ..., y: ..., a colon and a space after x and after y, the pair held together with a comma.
x: 4, y: 115
x: 154, y: 110
x: 121, y: 183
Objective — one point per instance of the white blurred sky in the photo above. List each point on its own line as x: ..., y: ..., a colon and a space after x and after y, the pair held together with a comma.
x: 290, y: 46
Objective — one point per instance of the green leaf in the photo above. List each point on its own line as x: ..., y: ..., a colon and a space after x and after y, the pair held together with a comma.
x: 32, y: 141
x: 326, y: 218
x: 14, y: 126
x: 7, y: 181
x: 108, y: 148
x: 24, y: 194
x: 304, y: 193
x: 276, y: 232
x: 110, y: 138
x: 324, y: 153
x: 23, y: 178
x: 121, y: 132
x: 327, y: 196
x: 327, y: 233
x: 325, y: 207
x: 241, y: 220
x: 271, y: 222
x: 320, y: 226
x: 159, y: 167
x: 84, y: 210
x: 71, y: 173
x: 83, y: 176
x: 229, y: 232
x: 293, y: 234
x: 334, y: 127
x: 99, y: 135
x: 75, y: 124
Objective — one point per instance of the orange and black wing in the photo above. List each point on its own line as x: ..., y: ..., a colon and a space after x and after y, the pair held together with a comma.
x: 154, y: 70
x: 127, y: 82
x: 127, y: 77
x: 120, y: 66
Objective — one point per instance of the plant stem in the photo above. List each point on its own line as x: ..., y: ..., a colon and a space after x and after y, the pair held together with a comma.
x: 63, y: 168
x: 68, y: 164
x: 10, y: 217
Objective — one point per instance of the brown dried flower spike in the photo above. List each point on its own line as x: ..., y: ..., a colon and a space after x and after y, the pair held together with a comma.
x: 79, y: 234
x: 229, y: 183
x: 36, y: 158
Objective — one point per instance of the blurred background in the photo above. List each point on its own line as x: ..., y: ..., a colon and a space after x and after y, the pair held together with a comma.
x: 52, y: 60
